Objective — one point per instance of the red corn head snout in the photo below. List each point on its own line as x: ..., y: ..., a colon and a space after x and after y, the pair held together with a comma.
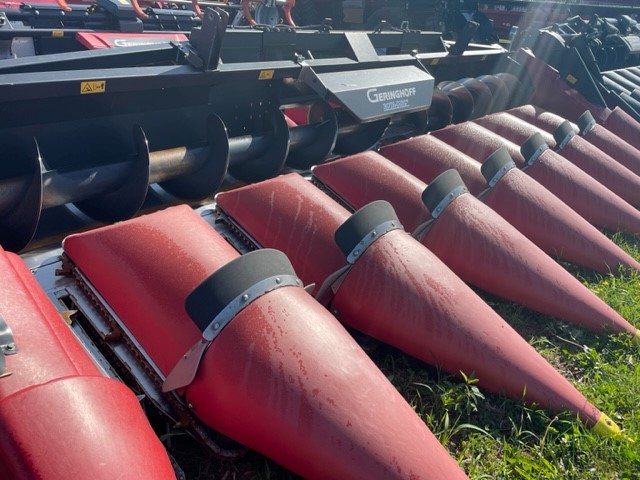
x: 621, y: 124
x: 396, y: 290
x: 265, y: 379
x: 522, y: 201
x: 55, y: 402
x: 588, y: 197
x: 427, y: 156
x: 471, y: 239
x: 597, y: 135
x: 574, y: 148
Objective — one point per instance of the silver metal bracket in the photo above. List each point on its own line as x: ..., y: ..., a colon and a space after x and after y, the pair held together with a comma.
x: 7, y: 345
x: 540, y: 150
x: 501, y: 173
x: 444, y: 203
x: 244, y: 299
x: 563, y: 134
x: 371, y: 237
x: 185, y: 370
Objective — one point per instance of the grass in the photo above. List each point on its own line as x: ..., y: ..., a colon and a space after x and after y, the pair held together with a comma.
x: 493, y: 437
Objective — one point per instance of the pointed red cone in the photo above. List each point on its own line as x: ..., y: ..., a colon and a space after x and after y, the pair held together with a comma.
x: 426, y: 157
x: 266, y: 379
x: 480, y: 246
x: 574, y: 148
x: 394, y: 289
x: 621, y: 124
x: 592, y: 200
x: 54, y: 399
x: 597, y: 135
x: 527, y: 205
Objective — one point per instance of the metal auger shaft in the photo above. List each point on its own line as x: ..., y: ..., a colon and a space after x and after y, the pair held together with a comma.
x: 113, y: 191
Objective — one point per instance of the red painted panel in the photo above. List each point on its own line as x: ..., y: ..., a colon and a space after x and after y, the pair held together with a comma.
x: 526, y: 204
x: 427, y: 157
x: 603, y: 139
x: 55, y: 399
x: 302, y: 230
x: 578, y: 151
x: 366, y: 177
x: 181, y: 247
x: 475, y: 242
x: 592, y: 200
x: 401, y: 293
x: 286, y: 379
x: 478, y: 142
x: 283, y: 377
x: 623, y: 125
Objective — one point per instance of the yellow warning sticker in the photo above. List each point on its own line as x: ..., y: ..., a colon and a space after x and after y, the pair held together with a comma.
x: 57, y: 33
x: 571, y: 79
x: 265, y: 75
x: 435, y: 61
x: 97, y: 86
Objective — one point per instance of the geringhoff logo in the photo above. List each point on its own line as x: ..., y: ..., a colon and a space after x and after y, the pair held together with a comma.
x: 385, y: 96
x: 391, y: 99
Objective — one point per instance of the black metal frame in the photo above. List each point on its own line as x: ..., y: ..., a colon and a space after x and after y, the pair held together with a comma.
x: 205, y: 107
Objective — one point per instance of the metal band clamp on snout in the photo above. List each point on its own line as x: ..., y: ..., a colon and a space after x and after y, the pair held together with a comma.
x: 217, y: 300
x: 563, y: 134
x: 438, y: 195
x: 354, y: 236
x: 495, y: 167
x: 533, y: 148
x: 445, y: 188
x: 586, y: 122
